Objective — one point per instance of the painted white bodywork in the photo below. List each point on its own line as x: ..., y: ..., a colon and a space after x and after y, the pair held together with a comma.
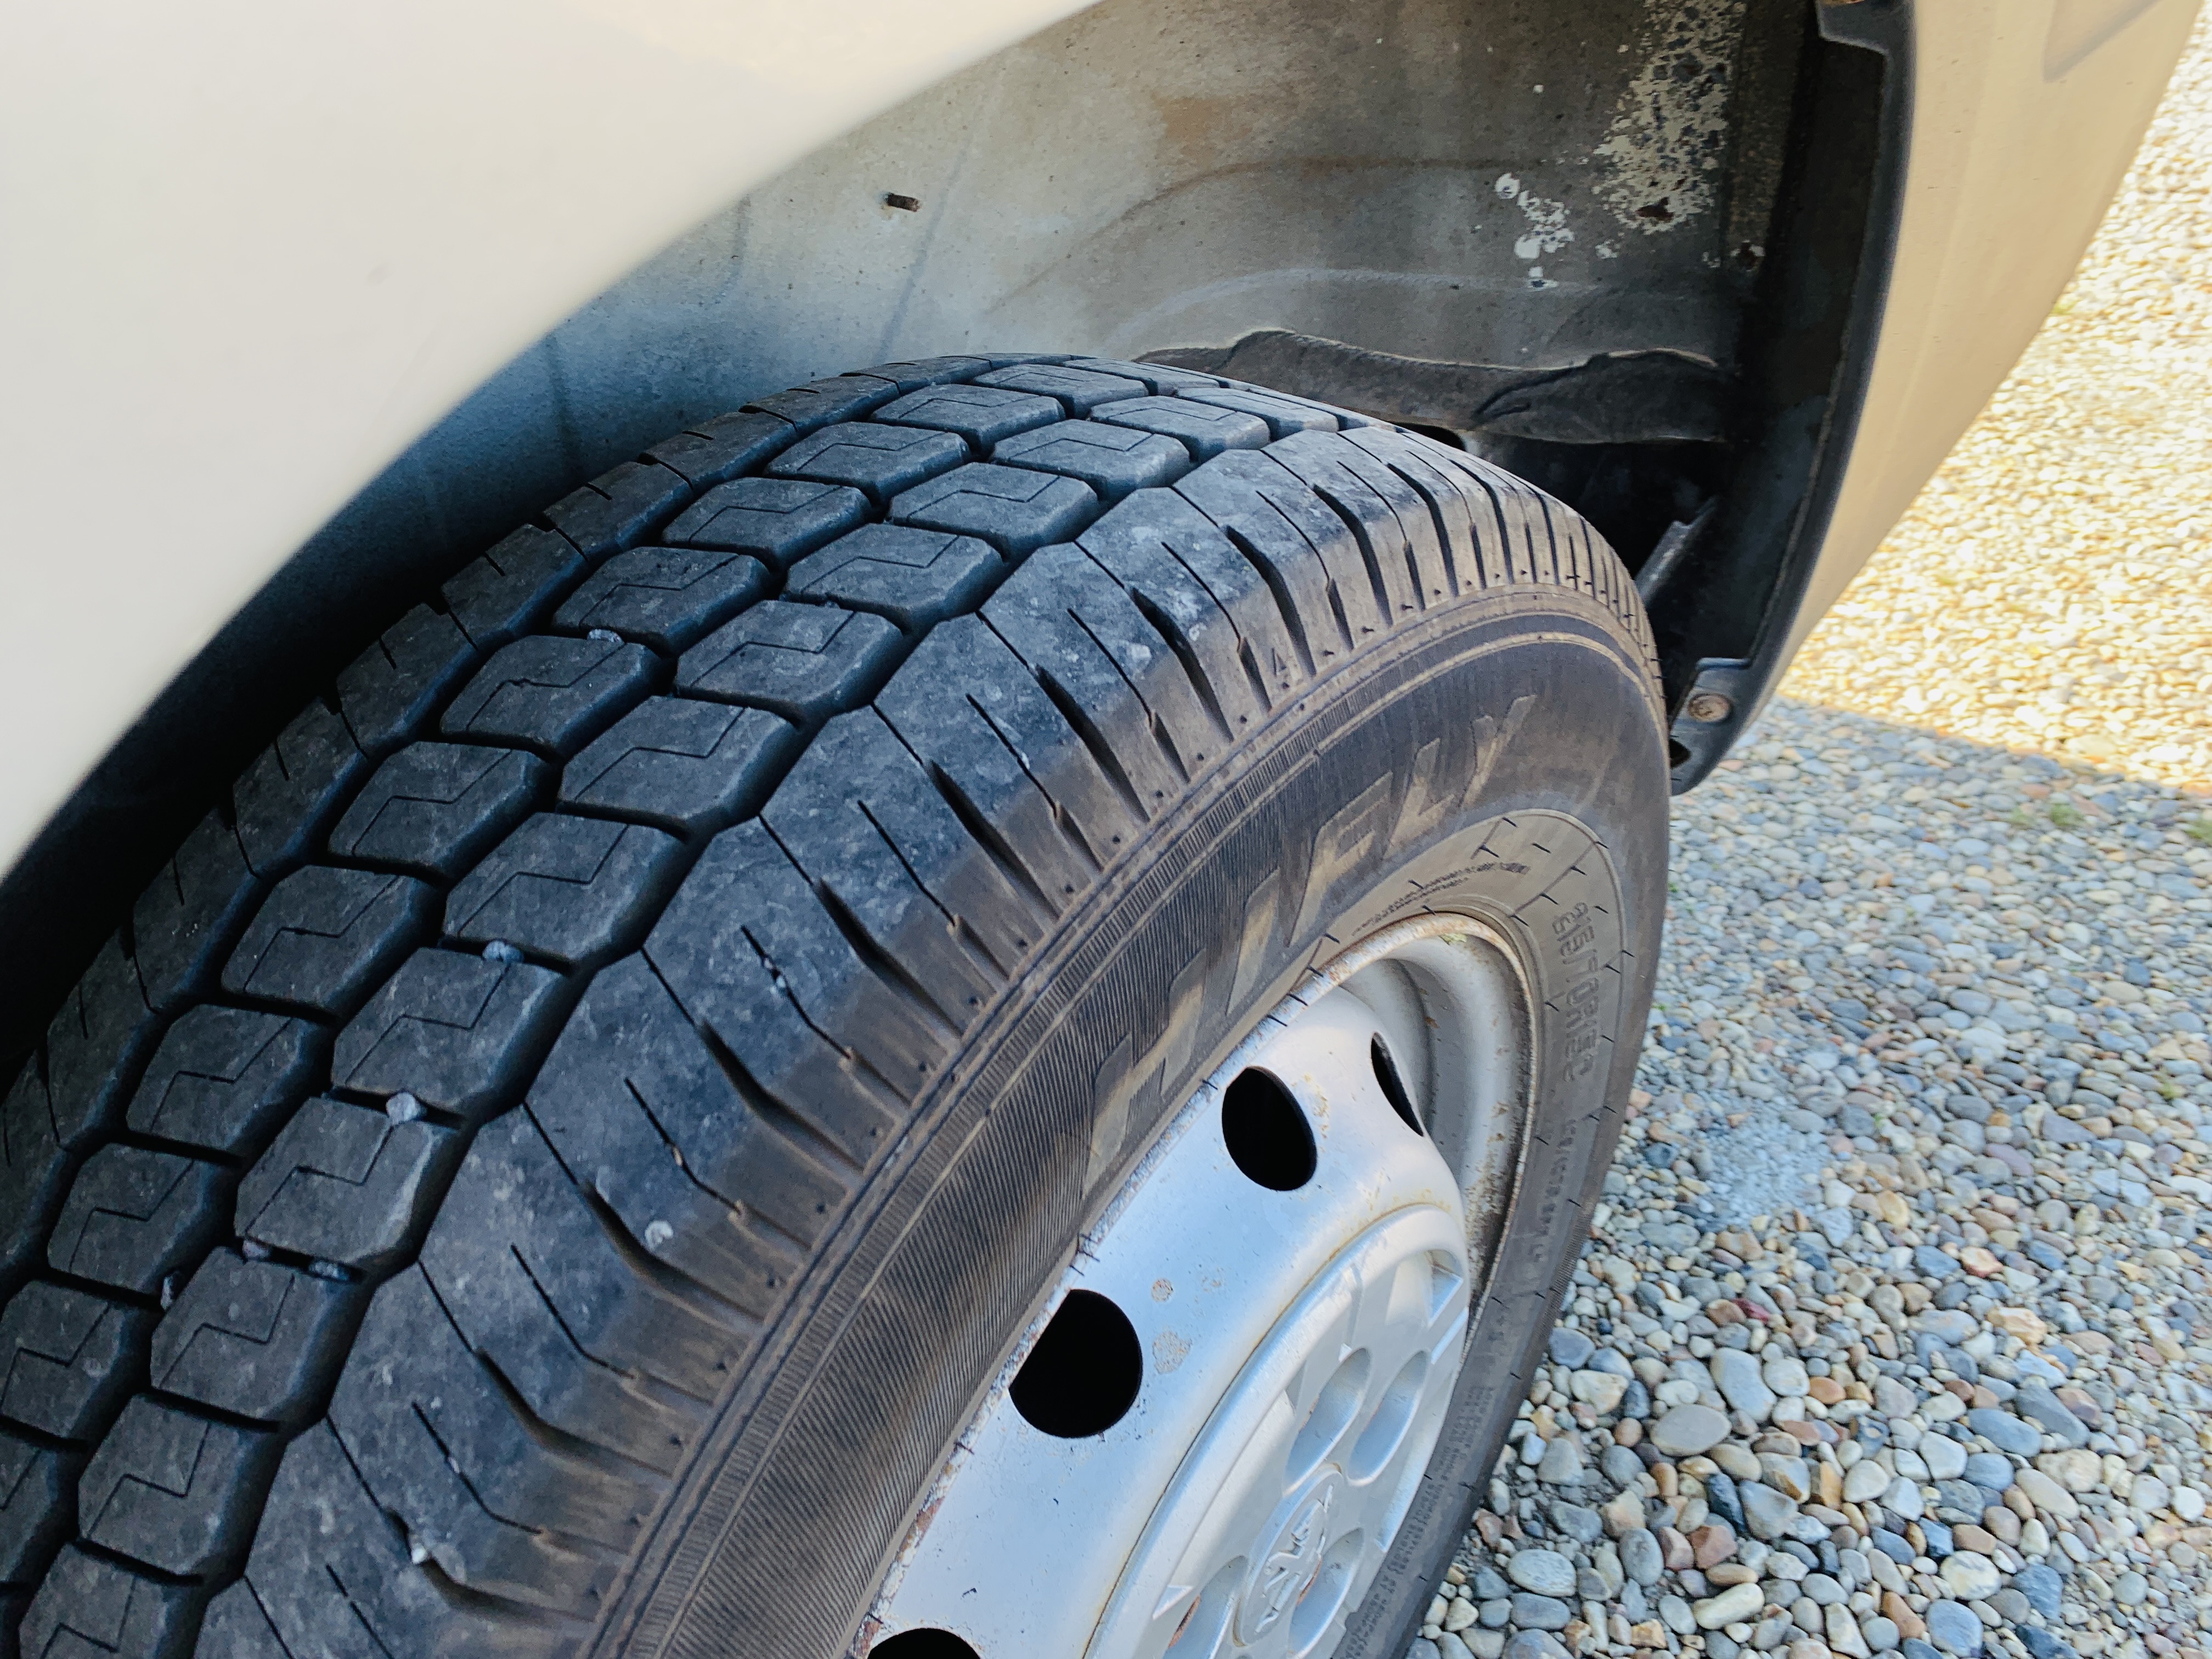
x: 249, y: 251
x: 253, y: 251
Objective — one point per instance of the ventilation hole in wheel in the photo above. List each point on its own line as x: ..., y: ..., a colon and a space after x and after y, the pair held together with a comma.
x: 1392, y: 1085
x: 1082, y: 1376
x: 922, y: 1644
x: 1266, y: 1131
x: 1677, y: 756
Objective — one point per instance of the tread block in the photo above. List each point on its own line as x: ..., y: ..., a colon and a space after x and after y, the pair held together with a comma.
x: 388, y: 693
x: 134, y: 1216
x: 618, y: 508
x: 1202, y: 428
x: 70, y: 1358
x: 803, y: 661
x: 1016, y: 511
x: 917, y: 578
x: 937, y: 703
x: 574, y: 891
x: 1112, y: 460
x: 477, y: 1484
x: 1078, y: 390
x: 1283, y: 413
x: 688, y: 767
x: 666, y: 598
x: 432, y: 807
x: 224, y: 1078
x: 1098, y: 816
x: 632, y: 1103
x: 38, y: 1506
x: 981, y: 414
x: 174, y: 1491
x: 861, y: 817
x: 1153, y: 377
x: 189, y: 913
x: 717, y: 450
x: 329, y: 1579
x: 1461, y: 509
x: 878, y: 458
x: 551, y: 693
x: 1112, y: 674
x: 256, y: 1339
x: 325, y: 935
x: 292, y: 788
x: 816, y: 404
x: 931, y: 371
x: 457, y: 1032
x: 90, y: 1606
x: 750, y: 954
x: 1306, y: 553
x: 507, y: 591
x: 35, y: 1171
x: 1391, y: 520
x: 344, y: 1183
x: 1205, y: 599
x: 237, y: 1628
x: 533, y: 1281
x: 93, y: 1043
x: 778, y: 520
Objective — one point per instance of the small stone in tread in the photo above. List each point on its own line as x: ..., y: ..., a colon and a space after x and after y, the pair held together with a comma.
x: 667, y: 598
x: 563, y: 888
x: 551, y: 693
x: 457, y: 1032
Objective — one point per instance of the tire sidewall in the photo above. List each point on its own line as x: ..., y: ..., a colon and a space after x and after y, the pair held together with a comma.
x: 1501, y: 757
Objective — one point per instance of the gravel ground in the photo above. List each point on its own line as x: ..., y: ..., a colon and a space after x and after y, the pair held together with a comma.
x: 1895, y: 1334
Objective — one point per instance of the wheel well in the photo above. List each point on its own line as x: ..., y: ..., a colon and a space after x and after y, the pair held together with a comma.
x: 1617, y: 245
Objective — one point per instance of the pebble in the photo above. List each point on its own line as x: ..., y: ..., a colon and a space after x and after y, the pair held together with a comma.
x: 1541, y: 1572
x: 1539, y: 1612
x: 1968, y: 1576
x: 1688, y: 1430
x: 1640, y: 1558
x: 1736, y: 1375
x: 1562, y: 1462
x: 2038, y: 1403
x: 1953, y: 1628
x: 1730, y: 1607
x: 1570, y: 1348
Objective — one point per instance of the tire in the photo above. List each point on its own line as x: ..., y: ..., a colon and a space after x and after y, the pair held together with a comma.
x: 554, y: 1158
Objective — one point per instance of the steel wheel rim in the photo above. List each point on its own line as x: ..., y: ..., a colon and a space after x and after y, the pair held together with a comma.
x: 1243, y: 1503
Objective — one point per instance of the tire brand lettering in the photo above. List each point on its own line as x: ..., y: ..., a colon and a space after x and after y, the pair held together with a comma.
x: 1575, y: 936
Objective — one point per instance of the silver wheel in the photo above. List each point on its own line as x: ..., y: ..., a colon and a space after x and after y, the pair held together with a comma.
x: 1208, y: 1441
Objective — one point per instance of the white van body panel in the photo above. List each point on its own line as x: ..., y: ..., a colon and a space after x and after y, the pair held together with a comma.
x: 253, y: 249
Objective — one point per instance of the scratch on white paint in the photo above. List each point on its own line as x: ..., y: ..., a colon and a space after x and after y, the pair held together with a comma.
x: 1671, y: 126
x: 1547, y: 231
